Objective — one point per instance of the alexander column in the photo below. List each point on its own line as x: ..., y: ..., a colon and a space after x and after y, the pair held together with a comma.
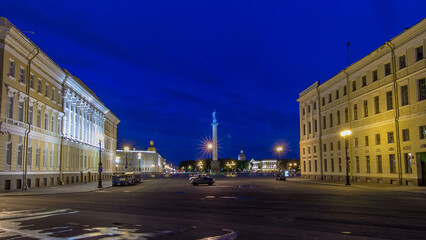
x: 215, y: 168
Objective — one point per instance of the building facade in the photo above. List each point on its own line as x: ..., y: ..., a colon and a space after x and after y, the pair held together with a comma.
x: 144, y: 161
x: 381, y: 99
x: 52, y: 125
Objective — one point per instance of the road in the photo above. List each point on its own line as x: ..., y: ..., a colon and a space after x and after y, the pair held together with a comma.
x: 234, y: 208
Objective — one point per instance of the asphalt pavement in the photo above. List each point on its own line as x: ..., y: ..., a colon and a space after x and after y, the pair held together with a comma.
x: 234, y: 208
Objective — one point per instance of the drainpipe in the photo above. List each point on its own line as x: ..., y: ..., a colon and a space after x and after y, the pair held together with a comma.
x: 349, y: 122
x: 61, y: 178
x: 397, y: 114
x: 27, y: 123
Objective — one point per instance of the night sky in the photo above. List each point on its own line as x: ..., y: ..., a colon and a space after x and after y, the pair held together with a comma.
x: 162, y: 67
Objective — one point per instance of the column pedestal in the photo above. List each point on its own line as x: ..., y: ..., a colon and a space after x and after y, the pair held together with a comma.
x: 215, y: 166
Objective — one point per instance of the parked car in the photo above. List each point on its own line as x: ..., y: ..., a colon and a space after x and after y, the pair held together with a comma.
x: 281, y: 177
x: 201, y: 179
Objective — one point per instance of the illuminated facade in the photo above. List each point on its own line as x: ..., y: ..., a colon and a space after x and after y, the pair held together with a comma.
x: 382, y: 100
x: 51, y: 122
x: 150, y: 161
x: 266, y: 165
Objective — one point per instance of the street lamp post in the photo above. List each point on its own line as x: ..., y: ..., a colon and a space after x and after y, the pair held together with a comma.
x: 279, y: 150
x: 346, y: 134
x: 139, y: 158
x: 100, y: 164
x: 117, y: 161
x: 126, y: 149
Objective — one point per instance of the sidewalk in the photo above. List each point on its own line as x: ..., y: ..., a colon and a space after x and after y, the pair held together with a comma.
x: 70, y: 188
x: 363, y: 185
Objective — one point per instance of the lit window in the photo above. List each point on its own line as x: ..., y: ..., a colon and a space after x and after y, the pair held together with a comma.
x: 11, y: 72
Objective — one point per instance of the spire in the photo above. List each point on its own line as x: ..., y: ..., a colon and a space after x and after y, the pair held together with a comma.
x: 242, y: 148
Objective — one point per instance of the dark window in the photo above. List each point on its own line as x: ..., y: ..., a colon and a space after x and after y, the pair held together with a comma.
x: 303, y: 111
x: 422, y: 132
x: 364, y: 81
x: 379, y: 164
x: 355, y: 112
x: 337, y: 94
x: 405, y: 135
x: 404, y: 95
x: 357, y: 163
x: 338, y: 117
x: 309, y: 128
x: 375, y: 78
x: 18, y: 183
x: 356, y: 142
x: 392, y: 164
x: 367, y: 163
x: 387, y: 69
x: 422, y: 89
x: 376, y: 105
x: 325, y: 165
x: 309, y: 108
x: 338, y: 145
x: 304, y: 129
x: 325, y: 147
x: 419, y: 53
x: 315, y: 125
x: 324, y: 125
x: 329, y: 98
x: 353, y: 86
x: 323, y: 101
x: 316, y: 166
x: 315, y: 148
x: 391, y: 137
x: 389, y: 104
x: 402, y: 63
x: 346, y: 115
x: 331, y: 120
x: 7, y: 185
x: 332, y: 165
x: 378, y: 139
x: 315, y: 105
x: 366, y: 141
x: 32, y: 81
x: 11, y: 72
x: 331, y: 146
x: 340, y: 164
x: 365, y: 108
x: 344, y: 91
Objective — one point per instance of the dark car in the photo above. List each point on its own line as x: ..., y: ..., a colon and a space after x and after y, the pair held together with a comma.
x: 201, y: 179
x: 281, y: 177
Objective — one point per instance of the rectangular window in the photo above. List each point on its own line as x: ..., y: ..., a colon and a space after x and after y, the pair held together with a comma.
x: 11, y: 72
x: 338, y: 117
x: 332, y: 165
x: 310, y: 167
x: 316, y: 166
x: 407, y: 163
x: 387, y: 69
x: 374, y: 75
x: 38, y: 120
x: 315, y: 125
x: 325, y: 147
x: 378, y: 139
x: 304, y: 166
x: 392, y: 164
x: 331, y: 146
x: 366, y: 141
x: 309, y: 128
x: 364, y: 81
x: 337, y: 94
x: 323, y: 101
x: 379, y: 164
x: 404, y: 95
x: 303, y: 151
x: 46, y: 94
x: 422, y: 132
x: 389, y: 104
x: 324, y: 125
x: 46, y: 121
x: 376, y: 105
x: 367, y: 163
x: 38, y: 152
x: 419, y: 53
x: 390, y: 137
x: 52, y: 123
x: 405, y: 135
x: 315, y: 148
x: 422, y: 89
x: 309, y: 150
x: 9, y: 107
x: 58, y: 129
x: 303, y: 111
x: 39, y: 86
x: 353, y: 86
x: 53, y: 94
x: 365, y: 108
x: 356, y: 142
x: 19, y: 155
x: 30, y: 156
x: 22, y: 75
x: 355, y: 112
x: 346, y: 115
x: 21, y: 111
x: 340, y: 164
x: 344, y: 91
x: 338, y: 145
x: 304, y: 129
x: 325, y: 165
x: 357, y: 164
x: 402, y: 63
x: 329, y: 98
x: 32, y: 81
x: 8, y: 153
x: 315, y: 105
x: 331, y: 120
x: 309, y: 108
x: 44, y: 158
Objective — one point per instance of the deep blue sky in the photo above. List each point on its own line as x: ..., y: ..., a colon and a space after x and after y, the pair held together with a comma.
x: 163, y: 66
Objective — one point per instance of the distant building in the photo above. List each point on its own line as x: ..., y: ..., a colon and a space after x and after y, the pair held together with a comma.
x: 382, y: 100
x: 264, y: 165
x: 52, y: 125
x: 242, y: 156
x: 150, y: 162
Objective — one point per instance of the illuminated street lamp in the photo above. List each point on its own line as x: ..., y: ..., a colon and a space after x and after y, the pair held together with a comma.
x: 126, y: 149
x: 346, y: 134
x: 279, y: 149
x: 117, y: 161
x: 139, y: 157
x: 200, y: 165
x: 100, y: 161
x: 230, y: 164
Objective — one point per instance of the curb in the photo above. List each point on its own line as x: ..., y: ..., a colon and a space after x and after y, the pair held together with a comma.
x: 17, y: 194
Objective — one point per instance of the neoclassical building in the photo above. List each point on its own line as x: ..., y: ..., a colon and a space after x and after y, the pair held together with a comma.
x: 146, y: 161
x: 52, y: 125
x: 381, y: 99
